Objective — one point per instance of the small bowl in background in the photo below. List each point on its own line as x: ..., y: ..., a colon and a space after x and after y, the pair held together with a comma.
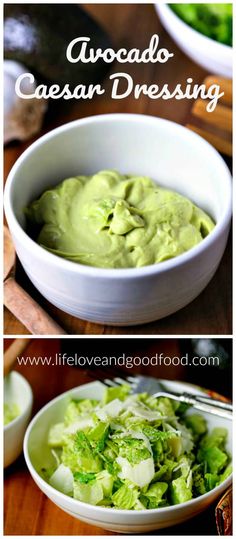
x: 16, y: 391
x: 213, y: 56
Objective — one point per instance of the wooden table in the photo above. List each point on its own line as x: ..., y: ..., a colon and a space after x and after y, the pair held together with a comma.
x: 27, y: 510
x: 132, y: 25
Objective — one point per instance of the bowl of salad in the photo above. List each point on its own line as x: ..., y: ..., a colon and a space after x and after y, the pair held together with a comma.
x: 18, y: 400
x: 203, y: 32
x: 128, y: 463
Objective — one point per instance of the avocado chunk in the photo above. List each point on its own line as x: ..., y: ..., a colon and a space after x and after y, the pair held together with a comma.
x: 37, y: 35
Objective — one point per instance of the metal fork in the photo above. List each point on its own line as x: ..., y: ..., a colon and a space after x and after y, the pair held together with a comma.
x: 156, y: 388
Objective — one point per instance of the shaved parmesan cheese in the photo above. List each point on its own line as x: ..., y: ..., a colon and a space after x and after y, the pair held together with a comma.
x: 112, y: 409
x: 140, y: 474
x: 81, y: 424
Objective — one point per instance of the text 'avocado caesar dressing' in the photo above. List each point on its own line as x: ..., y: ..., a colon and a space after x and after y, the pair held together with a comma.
x: 110, y: 220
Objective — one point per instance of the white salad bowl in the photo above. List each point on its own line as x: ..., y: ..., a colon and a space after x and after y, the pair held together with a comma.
x: 213, y: 56
x: 16, y: 391
x: 170, y: 154
x: 38, y: 456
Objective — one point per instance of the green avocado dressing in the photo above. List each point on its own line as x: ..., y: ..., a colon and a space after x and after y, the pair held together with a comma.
x: 110, y: 220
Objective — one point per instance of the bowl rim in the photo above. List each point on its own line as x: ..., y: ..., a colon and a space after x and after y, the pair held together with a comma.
x: 77, y: 503
x: 164, y: 7
x: 27, y: 406
x: 116, y: 273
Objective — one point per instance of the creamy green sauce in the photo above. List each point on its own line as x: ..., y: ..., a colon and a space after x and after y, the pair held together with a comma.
x: 11, y: 411
x: 110, y: 220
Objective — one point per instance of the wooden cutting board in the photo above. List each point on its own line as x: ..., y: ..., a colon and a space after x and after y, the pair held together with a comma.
x: 216, y: 126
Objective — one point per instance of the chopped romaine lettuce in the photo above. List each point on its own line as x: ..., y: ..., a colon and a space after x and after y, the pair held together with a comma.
x: 133, y: 449
x: 216, y: 438
x: 228, y: 470
x: 214, y: 458
x: 78, y: 454
x: 55, y: 436
x: 210, y: 481
x: 112, y: 393
x: 154, y: 496
x: 126, y: 496
x: 11, y: 411
x: 180, y: 492
x: 212, y: 20
x: 212, y: 452
x: 76, y: 409
x: 199, y: 486
x: 140, y: 474
x: 62, y: 479
x: 90, y: 492
x: 135, y: 452
x: 197, y: 424
x: 98, y: 436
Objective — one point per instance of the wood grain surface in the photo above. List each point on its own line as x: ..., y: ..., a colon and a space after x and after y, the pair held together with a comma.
x: 215, y: 127
x: 27, y: 511
x: 132, y: 25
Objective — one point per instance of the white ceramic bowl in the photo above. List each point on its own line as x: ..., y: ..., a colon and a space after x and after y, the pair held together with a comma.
x: 167, y: 152
x: 38, y: 455
x: 17, y: 391
x: 215, y: 57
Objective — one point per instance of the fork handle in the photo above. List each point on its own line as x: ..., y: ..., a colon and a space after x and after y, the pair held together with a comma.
x: 209, y: 408
x: 204, y: 407
x: 213, y: 402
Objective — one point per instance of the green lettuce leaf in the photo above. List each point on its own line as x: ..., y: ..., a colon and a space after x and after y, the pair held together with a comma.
x: 79, y: 455
x: 119, y: 392
x: 154, y: 495
x: 125, y: 497
x: 180, y: 492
